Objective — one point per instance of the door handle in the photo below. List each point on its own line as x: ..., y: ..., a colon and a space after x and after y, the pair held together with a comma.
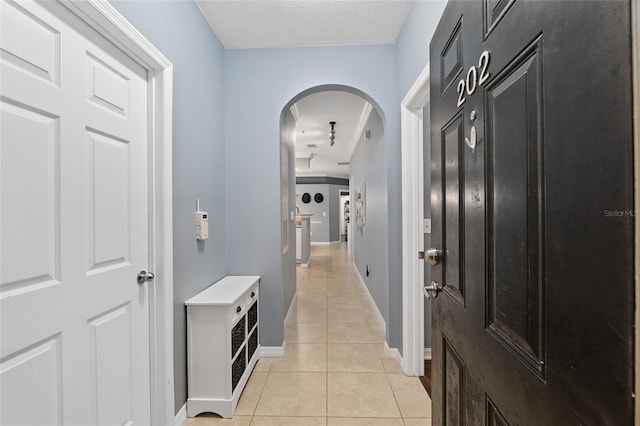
x: 145, y: 277
x: 432, y: 290
x: 434, y: 256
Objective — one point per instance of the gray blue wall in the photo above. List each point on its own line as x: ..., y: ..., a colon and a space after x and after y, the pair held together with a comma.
x: 287, y: 136
x: 321, y: 219
x: 368, y: 166
x: 180, y: 32
x: 325, y: 221
x: 259, y: 84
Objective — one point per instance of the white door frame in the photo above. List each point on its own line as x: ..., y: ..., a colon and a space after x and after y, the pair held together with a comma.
x: 350, y: 245
x: 107, y: 21
x: 413, y: 225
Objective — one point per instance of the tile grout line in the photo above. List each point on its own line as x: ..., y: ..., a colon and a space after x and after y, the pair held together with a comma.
x: 326, y: 403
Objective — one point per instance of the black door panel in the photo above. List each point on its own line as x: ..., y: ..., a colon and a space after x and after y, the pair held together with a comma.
x: 535, y: 323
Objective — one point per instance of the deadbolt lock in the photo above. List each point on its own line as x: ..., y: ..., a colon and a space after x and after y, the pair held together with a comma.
x: 434, y: 256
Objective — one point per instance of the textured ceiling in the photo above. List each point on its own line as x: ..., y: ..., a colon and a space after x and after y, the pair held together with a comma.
x: 313, y: 114
x: 242, y: 24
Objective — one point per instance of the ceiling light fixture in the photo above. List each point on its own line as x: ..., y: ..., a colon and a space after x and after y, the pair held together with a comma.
x: 332, y: 133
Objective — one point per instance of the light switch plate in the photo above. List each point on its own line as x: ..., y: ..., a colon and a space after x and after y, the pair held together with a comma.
x: 427, y: 226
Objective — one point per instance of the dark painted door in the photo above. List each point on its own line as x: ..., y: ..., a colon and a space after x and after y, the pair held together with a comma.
x: 534, y: 325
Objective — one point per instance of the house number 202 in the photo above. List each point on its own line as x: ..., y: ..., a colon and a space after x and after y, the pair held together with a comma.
x: 474, y: 78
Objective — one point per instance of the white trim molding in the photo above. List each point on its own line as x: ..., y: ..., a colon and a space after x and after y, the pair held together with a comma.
x: 427, y: 353
x: 366, y: 112
x: 181, y: 416
x: 107, y: 21
x: 393, y: 353
x: 295, y: 112
x: 272, y: 351
x: 413, y: 225
x: 371, y: 300
x: 290, y: 310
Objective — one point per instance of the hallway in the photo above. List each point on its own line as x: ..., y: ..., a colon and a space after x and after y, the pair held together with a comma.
x: 335, y: 370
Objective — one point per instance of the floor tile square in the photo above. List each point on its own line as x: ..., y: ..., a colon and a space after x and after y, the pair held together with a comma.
x: 304, y: 332
x: 417, y: 422
x: 337, y: 421
x: 411, y: 396
x: 349, y: 333
x: 360, y: 395
x: 302, y: 357
x: 288, y: 421
x: 346, y: 315
x: 251, y: 394
x: 316, y: 315
x: 354, y: 358
x: 294, y: 394
x: 391, y: 365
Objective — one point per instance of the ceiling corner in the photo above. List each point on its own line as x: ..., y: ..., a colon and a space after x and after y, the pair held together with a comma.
x: 203, y: 10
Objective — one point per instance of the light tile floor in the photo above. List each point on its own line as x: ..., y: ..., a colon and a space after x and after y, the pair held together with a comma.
x: 335, y: 371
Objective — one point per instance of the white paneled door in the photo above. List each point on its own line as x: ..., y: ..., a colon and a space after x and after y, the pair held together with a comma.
x: 73, y: 223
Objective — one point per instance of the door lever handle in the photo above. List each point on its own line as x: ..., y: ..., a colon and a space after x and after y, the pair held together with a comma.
x: 432, y: 290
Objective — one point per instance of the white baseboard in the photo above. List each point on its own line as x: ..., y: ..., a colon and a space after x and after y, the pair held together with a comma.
x: 373, y: 302
x: 272, y: 351
x: 393, y: 353
x: 304, y: 265
x: 427, y: 353
x: 181, y: 416
x: 293, y: 302
x: 320, y: 243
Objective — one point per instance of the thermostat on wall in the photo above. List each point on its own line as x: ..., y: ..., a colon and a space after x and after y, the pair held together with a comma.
x: 202, y: 223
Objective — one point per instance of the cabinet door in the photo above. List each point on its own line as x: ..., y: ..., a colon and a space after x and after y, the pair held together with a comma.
x: 237, y: 369
x: 237, y: 336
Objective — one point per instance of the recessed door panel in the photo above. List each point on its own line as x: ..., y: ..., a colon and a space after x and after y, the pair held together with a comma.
x: 31, y: 385
x: 29, y: 160
x: 453, y: 247
x: 451, y: 58
x: 107, y: 87
x: 515, y: 212
x: 454, y: 386
x: 494, y: 11
x: 494, y: 417
x: 108, y: 199
x: 110, y: 365
x: 28, y: 43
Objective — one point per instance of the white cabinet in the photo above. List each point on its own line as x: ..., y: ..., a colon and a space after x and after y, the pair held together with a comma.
x: 222, y: 344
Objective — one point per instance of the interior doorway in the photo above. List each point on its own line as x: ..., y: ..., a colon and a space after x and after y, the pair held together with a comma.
x: 415, y: 226
x: 344, y: 211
